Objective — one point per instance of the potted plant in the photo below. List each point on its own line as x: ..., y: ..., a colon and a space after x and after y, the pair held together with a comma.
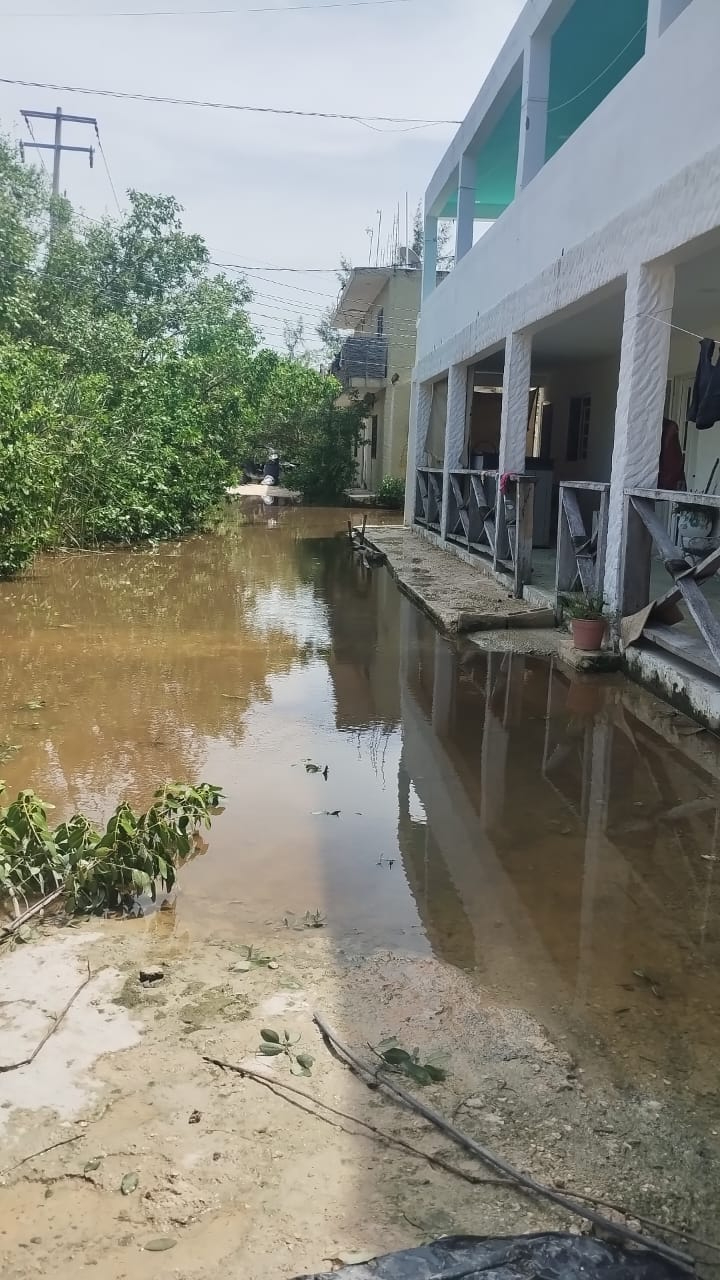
x: 587, y: 623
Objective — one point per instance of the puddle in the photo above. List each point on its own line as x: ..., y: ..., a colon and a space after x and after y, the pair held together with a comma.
x: 35, y: 985
x: 557, y: 840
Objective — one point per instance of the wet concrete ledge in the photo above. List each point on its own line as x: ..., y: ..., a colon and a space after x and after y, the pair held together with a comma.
x: 466, y: 599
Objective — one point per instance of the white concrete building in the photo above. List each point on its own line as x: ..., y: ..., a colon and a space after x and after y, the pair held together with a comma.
x: 569, y: 327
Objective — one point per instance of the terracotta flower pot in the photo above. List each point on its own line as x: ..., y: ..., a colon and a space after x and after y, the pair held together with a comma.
x: 588, y: 633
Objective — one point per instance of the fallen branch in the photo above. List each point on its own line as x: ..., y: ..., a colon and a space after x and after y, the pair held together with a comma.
x: 13, y: 1066
x: 43, y: 1151
x: 8, y: 929
x: 278, y: 1086
x: 371, y: 1077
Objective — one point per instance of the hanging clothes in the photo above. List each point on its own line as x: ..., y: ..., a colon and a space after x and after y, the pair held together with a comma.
x: 671, y: 472
x: 705, y: 402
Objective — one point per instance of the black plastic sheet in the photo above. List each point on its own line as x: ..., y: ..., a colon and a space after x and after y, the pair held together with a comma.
x: 533, y: 1257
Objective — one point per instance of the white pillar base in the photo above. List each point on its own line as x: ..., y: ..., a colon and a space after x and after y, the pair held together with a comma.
x: 454, y: 434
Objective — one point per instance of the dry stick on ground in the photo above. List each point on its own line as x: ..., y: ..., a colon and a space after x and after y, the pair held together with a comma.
x: 13, y: 1066
x: 277, y: 1087
x: 7, y: 930
x: 43, y: 1151
x: 529, y: 1184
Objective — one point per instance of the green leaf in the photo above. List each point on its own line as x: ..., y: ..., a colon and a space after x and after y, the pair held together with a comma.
x: 269, y: 1035
x: 271, y: 1050
x: 160, y: 1244
x: 129, y: 1183
x: 417, y: 1072
x: 92, y: 1165
x: 306, y: 1060
x: 436, y: 1074
x: 396, y: 1057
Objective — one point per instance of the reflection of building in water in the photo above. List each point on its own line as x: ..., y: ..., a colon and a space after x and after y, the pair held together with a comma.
x: 568, y: 843
x: 362, y: 607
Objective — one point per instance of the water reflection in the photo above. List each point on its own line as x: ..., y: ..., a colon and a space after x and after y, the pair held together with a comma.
x: 557, y: 838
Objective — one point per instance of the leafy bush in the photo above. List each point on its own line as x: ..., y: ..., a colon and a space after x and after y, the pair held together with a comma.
x: 391, y: 493
x: 101, y: 871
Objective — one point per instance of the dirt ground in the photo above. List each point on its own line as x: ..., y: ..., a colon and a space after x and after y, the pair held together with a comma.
x: 234, y: 1181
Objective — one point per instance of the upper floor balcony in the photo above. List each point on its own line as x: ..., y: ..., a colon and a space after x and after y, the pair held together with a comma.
x: 362, y: 362
x: 582, y: 117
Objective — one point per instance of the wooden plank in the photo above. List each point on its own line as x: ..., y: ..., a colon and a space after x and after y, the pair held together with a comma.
x: 637, y: 549
x: 690, y: 648
x: 580, y: 540
x: 566, y: 570
x: 676, y: 495
x: 601, y: 543
x: 704, y: 569
x: 525, y: 491
x: 593, y: 486
x: 697, y: 605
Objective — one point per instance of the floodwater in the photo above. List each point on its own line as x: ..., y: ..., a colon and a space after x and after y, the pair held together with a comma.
x: 556, y: 839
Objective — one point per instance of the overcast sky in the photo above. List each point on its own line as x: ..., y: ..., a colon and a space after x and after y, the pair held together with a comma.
x: 262, y: 190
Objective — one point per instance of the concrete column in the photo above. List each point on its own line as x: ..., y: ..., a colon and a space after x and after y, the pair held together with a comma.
x: 515, y: 402
x: 429, y: 266
x: 420, y: 400
x: 454, y: 433
x: 534, y: 110
x: 640, y: 402
x: 660, y: 14
x: 465, y: 225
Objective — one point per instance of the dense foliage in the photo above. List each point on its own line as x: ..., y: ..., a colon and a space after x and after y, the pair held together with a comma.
x: 391, y: 493
x: 132, y: 383
x: 100, y: 871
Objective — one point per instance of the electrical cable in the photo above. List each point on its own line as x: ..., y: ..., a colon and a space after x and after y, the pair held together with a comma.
x: 107, y: 170
x: 222, y: 106
x: 213, y: 13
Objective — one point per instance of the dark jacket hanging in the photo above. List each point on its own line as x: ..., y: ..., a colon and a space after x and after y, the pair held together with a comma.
x: 704, y: 408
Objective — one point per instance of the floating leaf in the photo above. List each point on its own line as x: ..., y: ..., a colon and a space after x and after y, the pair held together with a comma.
x: 160, y: 1244
x: 129, y: 1184
x: 92, y: 1165
x: 305, y: 1060
x: 436, y: 1074
x: 269, y: 1035
x: 417, y: 1072
x: 271, y: 1050
x: 242, y: 966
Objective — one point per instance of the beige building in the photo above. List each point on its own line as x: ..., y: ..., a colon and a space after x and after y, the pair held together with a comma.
x: 380, y: 305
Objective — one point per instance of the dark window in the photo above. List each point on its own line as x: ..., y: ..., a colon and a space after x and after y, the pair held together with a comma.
x: 578, y: 429
x: 373, y: 435
x: 380, y: 323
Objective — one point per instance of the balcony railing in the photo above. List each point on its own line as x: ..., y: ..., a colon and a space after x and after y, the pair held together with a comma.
x: 362, y: 357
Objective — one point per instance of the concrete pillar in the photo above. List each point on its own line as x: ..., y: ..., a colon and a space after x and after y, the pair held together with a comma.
x: 515, y: 402
x: 534, y: 110
x: 429, y: 266
x: 454, y: 433
x: 465, y: 225
x: 420, y: 400
x: 660, y: 14
x: 640, y: 403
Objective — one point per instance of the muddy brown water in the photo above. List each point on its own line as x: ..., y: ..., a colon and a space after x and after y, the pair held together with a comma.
x: 555, y: 838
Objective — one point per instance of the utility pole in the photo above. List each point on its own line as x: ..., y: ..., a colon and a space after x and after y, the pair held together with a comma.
x: 58, y: 146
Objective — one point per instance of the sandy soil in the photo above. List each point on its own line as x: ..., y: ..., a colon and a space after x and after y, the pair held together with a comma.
x: 244, y: 1183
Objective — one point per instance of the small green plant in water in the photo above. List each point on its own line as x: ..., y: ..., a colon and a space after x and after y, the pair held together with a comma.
x: 101, y: 871
x: 273, y: 1044
x: 391, y: 493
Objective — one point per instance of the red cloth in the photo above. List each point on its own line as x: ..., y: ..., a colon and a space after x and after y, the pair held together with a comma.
x: 671, y: 472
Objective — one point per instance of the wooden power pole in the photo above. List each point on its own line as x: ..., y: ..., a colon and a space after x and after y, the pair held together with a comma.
x: 58, y: 146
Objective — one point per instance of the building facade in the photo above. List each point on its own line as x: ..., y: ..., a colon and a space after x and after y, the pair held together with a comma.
x: 585, y: 188
x: 380, y: 305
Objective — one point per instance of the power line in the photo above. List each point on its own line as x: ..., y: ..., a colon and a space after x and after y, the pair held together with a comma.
x: 223, y: 106
x: 107, y: 169
x: 213, y: 13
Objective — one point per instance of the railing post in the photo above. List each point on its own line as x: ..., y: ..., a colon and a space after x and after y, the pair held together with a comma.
x: 635, y: 566
x: 602, y: 534
x: 524, y: 490
x: 566, y: 570
x: 420, y: 398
